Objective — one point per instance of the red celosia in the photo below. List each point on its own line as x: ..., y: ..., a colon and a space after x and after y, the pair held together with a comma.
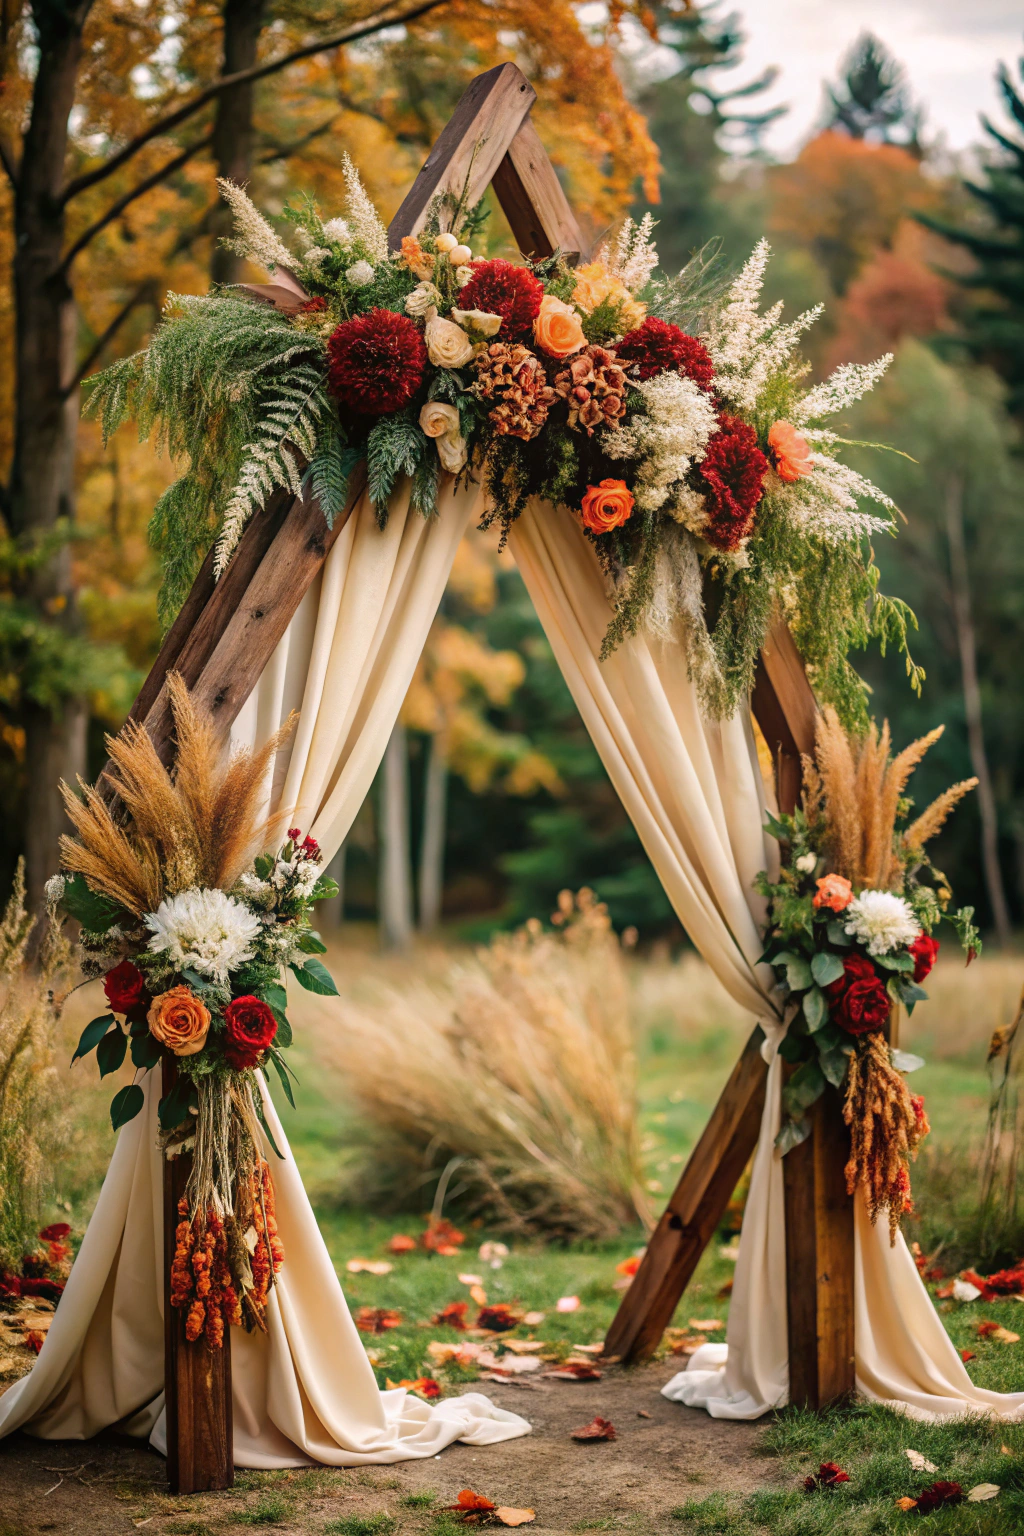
x: 315, y: 306
x: 502, y: 288
x: 925, y: 950
x: 656, y: 347
x: 376, y: 362
x: 732, y: 476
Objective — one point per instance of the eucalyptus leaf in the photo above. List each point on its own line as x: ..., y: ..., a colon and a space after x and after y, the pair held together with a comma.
x: 793, y: 1132
x: 834, y: 1064
x: 838, y: 935
x: 901, y: 961
x: 826, y: 968
x: 798, y: 973
x: 804, y: 1088
x: 815, y: 1008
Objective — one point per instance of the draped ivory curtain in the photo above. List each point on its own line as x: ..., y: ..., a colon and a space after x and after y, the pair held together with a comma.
x: 693, y: 791
x: 304, y: 1392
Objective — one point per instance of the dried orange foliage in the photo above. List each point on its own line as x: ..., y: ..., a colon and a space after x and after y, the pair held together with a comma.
x: 887, y: 1124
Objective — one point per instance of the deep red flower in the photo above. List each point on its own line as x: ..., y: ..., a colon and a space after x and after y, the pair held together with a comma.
x: 125, y: 987
x: 657, y: 347
x: 54, y: 1232
x: 1005, y: 1282
x: 858, y: 999
x: 925, y: 950
x: 938, y: 1494
x: 375, y: 362
x: 316, y: 306
x: 251, y: 1027
x: 502, y: 288
x: 732, y: 476
x: 829, y: 1475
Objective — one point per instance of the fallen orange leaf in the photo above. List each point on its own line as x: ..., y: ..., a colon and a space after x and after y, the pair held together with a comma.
x: 400, y: 1243
x: 515, y: 1516
x: 906, y: 1504
x: 597, y: 1429
x: 479, y: 1295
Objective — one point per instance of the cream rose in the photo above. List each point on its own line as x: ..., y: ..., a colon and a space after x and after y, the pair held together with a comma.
x: 478, y: 320
x: 448, y: 346
x: 437, y: 419
x: 451, y: 450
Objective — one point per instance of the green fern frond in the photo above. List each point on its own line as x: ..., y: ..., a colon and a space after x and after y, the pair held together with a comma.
x: 396, y: 445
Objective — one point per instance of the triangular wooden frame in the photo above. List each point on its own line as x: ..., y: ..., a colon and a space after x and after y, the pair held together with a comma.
x: 221, y: 641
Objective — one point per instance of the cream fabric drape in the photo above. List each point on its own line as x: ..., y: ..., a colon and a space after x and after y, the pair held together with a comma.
x: 693, y: 791
x: 305, y: 1391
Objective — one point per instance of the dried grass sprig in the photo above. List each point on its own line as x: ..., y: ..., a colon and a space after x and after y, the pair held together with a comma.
x: 931, y: 820
x: 198, y: 824
x: 887, y: 1124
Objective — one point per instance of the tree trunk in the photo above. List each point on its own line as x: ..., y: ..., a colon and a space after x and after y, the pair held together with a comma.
x: 41, y: 490
x: 233, y: 133
x: 395, y: 894
x: 435, y: 806
x: 960, y: 591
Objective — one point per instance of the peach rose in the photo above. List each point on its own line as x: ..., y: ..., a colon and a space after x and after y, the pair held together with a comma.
x: 790, y: 453
x: 834, y: 892
x: 179, y: 1020
x: 557, y: 328
x: 607, y: 506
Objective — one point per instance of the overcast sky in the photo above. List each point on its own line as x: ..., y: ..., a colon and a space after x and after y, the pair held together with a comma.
x: 949, y: 48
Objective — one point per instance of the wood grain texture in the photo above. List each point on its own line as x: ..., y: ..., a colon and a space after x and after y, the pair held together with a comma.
x: 694, y: 1211
x: 197, y: 1380
x: 532, y: 199
x: 786, y: 710
x: 820, y: 1260
x: 472, y: 146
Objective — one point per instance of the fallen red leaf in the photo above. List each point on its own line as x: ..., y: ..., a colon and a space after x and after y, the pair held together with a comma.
x: 986, y: 1327
x: 575, y: 1370
x: 1005, y: 1282
x: 441, y: 1237
x: 499, y: 1318
x: 453, y: 1315
x: 377, y: 1319
x: 597, y: 1429
x: 967, y: 1354
x: 938, y: 1494
x: 628, y: 1266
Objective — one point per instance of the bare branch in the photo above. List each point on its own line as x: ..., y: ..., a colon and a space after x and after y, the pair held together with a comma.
x: 276, y: 151
x: 391, y: 16
x: 116, y: 209
x: 146, y: 291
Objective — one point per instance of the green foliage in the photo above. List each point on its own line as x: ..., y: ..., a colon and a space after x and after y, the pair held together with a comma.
x: 329, y: 473
x: 365, y: 1525
x: 397, y: 445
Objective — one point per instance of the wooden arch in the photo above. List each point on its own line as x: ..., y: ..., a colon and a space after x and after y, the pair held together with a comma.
x: 221, y: 642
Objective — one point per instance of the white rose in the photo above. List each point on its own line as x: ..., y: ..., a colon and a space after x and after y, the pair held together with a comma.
x: 445, y: 242
x: 359, y: 274
x: 477, y: 320
x: 452, y: 451
x: 448, y: 346
x: 437, y: 419
x: 423, y: 297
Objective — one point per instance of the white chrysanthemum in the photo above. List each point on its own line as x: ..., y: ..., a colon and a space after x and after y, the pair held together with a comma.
x: 363, y: 218
x: 254, y: 237
x: 338, y: 231
x: 258, y: 893
x: 205, y: 930
x: 882, y: 921
x: 359, y: 274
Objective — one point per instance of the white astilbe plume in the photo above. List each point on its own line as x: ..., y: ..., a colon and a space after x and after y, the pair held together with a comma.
x: 363, y: 218
x: 849, y: 382
x: 254, y: 238
x: 671, y: 437
x: 749, y: 348
x: 826, y: 503
x: 635, y: 256
x: 338, y: 230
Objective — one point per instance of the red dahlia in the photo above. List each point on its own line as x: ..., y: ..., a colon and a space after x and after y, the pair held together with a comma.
x: 375, y: 363
x: 733, y: 472
x: 251, y: 1027
x: 657, y: 347
x: 501, y: 288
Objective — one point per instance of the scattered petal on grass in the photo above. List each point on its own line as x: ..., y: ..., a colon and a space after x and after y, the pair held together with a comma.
x: 1004, y: 1450
x: 681, y: 1341
x: 938, y: 1495
x: 493, y: 1254
x: 369, y: 1267
x: 567, y: 1304
x: 906, y: 1504
x: 706, y: 1324
x: 597, y: 1429
x: 423, y: 1386
x: 534, y: 1319
x: 514, y: 1516
x: 642, y: 1413
x: 471, y: 1279
x: 499, y: 1318
x: 589, y: 1349
x: 963, y: 1290
x: 920, y: 1463
x: 967, y: 1354
x: 523, y: 1346
x: 377, y: 1319
x: 731, y: 1252
x: 400, y: 1243
x: 452, y: 1316
x: 981, y: 1492
x: 990, y: 1330
x: 478, y: 1294
x: 829, y: 1475
x: 629, y: 1266
x: 510, y: 1365
x: 575, y: 1370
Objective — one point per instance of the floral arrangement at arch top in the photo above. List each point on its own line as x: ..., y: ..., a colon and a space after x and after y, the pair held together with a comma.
x: 192, y: 926
x: 670, y: 415
x: 850, y: 930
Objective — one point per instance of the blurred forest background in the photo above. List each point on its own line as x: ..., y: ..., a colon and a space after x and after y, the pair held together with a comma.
x: 115, y: 119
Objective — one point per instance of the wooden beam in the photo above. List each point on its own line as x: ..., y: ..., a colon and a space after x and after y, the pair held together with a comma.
x: 532, y: 199
x: 471, y: 148
x: 197, y: 1380
x: 786, y: 710
x: 694, y: 1211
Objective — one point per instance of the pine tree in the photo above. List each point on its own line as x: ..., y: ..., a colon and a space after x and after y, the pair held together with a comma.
x: 994, y: 323
x: 872, y: 99
x: 691, y: 121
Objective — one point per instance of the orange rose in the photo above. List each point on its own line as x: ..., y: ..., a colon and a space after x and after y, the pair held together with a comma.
x: 179, y: 1020
x: 607, y: 506
x: 834, y: 892
x: 791, y: 453
x: 557, y: 328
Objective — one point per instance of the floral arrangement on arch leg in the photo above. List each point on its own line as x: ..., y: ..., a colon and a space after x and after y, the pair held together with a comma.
x: 192, y: 927
x: 669, y: 414
x: 850, y: 924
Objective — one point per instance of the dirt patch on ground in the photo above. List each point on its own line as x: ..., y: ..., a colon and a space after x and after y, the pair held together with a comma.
x: 664, y: 1454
